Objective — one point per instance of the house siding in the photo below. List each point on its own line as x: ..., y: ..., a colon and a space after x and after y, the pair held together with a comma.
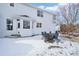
x: 7, y: 11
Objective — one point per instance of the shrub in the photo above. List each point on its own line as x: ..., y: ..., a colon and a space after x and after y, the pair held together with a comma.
x: 69, y: 28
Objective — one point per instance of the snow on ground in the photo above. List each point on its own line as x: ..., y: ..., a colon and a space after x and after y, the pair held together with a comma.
x: 32, y: 46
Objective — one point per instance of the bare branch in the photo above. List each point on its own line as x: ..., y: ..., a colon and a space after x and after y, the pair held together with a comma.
x: 69, y: 12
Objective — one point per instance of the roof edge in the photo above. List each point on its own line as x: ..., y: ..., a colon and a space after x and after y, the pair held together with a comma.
x: 27, y: 4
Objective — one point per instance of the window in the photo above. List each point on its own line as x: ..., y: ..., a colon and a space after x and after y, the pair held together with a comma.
x: 39, y: 13
x: 54, y: 17
x: 9, y: 24
x: 18, y: 19
x: 18, y: 25
x: 26, y: 24
x: 12, y: 4
x: 39, y: 25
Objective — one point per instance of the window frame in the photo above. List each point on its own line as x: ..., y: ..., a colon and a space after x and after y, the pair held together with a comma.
x: 18, y: 24
x: 40, y: 13
x: 9, y: 23
x: 26, y: 24
x: 39, y: 25
x: 12, y: 4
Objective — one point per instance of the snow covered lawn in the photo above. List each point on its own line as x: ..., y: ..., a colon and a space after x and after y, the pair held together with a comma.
x: 32, y: 46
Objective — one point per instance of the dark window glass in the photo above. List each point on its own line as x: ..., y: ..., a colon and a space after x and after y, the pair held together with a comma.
x: 9, y: 24
x: 9, y: 21
x: 54, y: 17
x: 26, y: 24
x: 18, y: 19
x: 12, y: 4
x: 39, y: 13
x: 39, y: 25
x: 18, y: 25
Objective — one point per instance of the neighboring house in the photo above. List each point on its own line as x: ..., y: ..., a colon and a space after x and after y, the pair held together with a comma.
x: 24, y: 19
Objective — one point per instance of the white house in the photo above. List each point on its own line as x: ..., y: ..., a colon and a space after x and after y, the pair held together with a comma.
x: 24, y: 19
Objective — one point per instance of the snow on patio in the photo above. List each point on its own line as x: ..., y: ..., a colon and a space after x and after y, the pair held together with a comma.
x: 32, y: 46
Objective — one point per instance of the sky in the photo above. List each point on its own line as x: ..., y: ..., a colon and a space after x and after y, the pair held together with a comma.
x: 44, y: 4
x: 48, y: 6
